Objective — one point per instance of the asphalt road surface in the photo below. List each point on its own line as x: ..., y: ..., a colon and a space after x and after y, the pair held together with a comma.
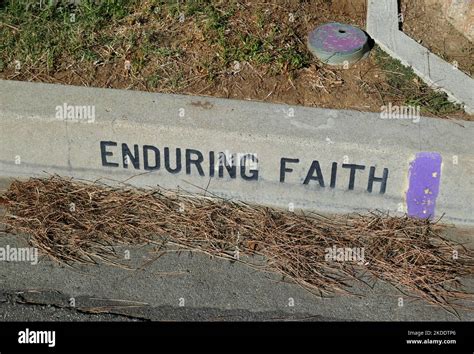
x: 187, y: 286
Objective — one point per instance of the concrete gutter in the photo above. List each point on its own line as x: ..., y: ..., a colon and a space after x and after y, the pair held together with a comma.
x: 383, y: 27
x: 303, y: 158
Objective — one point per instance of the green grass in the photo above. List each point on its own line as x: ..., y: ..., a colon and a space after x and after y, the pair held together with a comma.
x: 402, y: 80
x: 254, y: 45
x: 47, y: 33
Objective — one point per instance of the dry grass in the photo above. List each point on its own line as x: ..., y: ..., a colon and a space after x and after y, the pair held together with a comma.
x: 72, y: 221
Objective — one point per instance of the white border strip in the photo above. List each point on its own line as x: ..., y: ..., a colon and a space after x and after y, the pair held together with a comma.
x: 382, y: 25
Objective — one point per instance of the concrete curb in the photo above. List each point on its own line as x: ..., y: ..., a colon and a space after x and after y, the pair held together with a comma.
x: 290, y: 156
x: 383, y: 26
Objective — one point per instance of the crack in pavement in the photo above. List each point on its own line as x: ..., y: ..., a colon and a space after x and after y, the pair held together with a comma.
x: 136, y: 311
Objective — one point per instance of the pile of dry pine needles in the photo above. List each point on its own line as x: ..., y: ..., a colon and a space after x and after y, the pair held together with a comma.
x: 75, y: 221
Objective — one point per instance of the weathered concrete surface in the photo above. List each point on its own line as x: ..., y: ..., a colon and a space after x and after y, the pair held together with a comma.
x: 191, y: 286
x: 33, y: 140
x: 383, y: 27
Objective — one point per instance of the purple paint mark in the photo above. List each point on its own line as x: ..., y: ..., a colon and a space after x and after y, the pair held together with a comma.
x: 424, y: 176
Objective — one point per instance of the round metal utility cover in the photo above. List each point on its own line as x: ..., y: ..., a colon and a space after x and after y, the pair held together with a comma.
x: 337, y: 43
